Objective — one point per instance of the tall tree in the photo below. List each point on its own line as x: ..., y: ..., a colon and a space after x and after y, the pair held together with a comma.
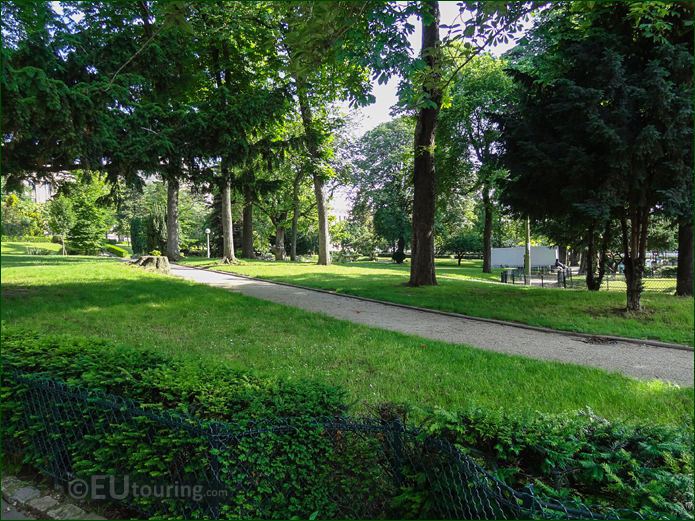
x: 424, y: 181
x: 469, y: 136
x: 332, y: 47
x: 607, y: 114
x: 61, y: 218
x: 380, y: 169
x: 245, y: 93
x: 488, y: 24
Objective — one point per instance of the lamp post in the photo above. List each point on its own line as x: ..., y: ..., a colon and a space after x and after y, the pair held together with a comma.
x: 207, y: 232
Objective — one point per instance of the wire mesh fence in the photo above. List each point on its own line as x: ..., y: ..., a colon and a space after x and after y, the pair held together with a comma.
x: 566, y: 279
x: 162, y: 463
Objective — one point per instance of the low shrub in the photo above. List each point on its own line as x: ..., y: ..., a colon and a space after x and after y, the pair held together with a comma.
x: 342, y: 256
x: 666, y: 271
x: 118, y: 252
x: 580, y: 457
x: 191, y: 387
x: 31, y: 250
x: 305, y: 471
x: 279, y: 474
x: 398, y: 257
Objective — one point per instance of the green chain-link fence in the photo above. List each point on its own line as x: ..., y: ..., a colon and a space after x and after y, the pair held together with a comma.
x: 159, y: 462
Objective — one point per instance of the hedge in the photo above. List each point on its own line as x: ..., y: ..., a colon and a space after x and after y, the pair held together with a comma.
x: 305, y: 472
x: 118, y: 252
x: 580, y: 456
x: 286, y: 473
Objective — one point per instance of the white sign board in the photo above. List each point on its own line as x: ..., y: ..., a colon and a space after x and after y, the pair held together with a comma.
x: 514, y: 257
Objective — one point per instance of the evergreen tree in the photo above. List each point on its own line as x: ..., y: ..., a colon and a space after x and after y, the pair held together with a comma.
x: 93, y: 217
x: 603, y: 133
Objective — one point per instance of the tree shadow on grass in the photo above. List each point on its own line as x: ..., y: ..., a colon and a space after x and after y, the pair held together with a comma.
x: 190, y: 319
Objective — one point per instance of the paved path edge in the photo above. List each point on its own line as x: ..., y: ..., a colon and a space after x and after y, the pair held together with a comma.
x: 29, y: 499
x: 637, y: 341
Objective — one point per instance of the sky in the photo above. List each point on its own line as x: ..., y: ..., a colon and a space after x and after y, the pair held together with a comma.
x: 386, y: 95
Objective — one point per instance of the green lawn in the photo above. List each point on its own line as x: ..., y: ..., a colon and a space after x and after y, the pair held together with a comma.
x: 21, y: 248
x: 467, y: 290
x: 103, y: 297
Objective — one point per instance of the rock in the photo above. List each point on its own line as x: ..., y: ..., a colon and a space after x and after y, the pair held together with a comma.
x: 66, y: 511
x: 43, y: 503
x: 10, y: 484
x: 25, y: 494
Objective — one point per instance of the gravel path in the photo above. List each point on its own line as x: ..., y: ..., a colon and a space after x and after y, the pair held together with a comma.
x: 639, y: 361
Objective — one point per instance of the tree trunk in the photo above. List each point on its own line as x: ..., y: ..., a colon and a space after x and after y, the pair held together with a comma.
x: 422, y: 271
x: 312, y: 139
x: 173, y: 252
x: 247, y: 230
x: 527, y: 254
x: 62, y: 242
x: 590, y: 257
x: 227, y: 224
x: 487, y: 231
x: 596, y: 263
x: 280, y: 243
x: 562, y: 254
x: 684, y: 274
x: 634, y: 254
x: 295, y: 216
x: 324, y: 235
x: 603, y: 253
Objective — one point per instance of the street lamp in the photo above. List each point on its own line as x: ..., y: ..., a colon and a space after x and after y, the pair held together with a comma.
x: 207, y: 232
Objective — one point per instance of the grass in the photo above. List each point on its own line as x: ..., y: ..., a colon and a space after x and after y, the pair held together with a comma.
x: 467, y: 290
x: 21, y: 248
x: 106, y: 298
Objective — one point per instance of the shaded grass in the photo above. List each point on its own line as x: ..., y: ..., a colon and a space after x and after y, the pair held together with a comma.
x: 468, y: 291
x: 130, y: 305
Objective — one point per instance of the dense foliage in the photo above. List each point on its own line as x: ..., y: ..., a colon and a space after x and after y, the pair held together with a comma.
x: 145, y: 449
x: 601, y: 138
x: 573, y: 458
x: 581, y: 457
x: 92, y: 218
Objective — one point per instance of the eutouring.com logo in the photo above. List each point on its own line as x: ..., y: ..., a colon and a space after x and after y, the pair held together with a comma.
x: 120, y: 488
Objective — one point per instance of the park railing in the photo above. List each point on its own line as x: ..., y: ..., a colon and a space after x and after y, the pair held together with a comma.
x: 163, y: 463
x: 565, y: 279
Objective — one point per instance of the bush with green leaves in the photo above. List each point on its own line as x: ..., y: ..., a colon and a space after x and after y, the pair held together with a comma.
x: 304, y: 470
x: 20, y: 216
x: 666, y: 271
x: 32, y: 250
x: 580, y: 457
x: 285, y: 473
x: 118, y: 252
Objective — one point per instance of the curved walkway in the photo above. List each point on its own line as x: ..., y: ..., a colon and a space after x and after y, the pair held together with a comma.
x: 639, y: 361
